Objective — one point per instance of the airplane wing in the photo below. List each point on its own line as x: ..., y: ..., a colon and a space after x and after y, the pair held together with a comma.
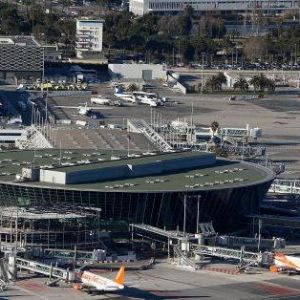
x: 66, y: 106
x: 77, y: 107
x: 98, y: 107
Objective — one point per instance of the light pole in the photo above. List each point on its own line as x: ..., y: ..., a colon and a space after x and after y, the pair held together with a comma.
x: 184, y: 213
x: 173, y: 56
x: 202, y: 69
x: 198, y: 213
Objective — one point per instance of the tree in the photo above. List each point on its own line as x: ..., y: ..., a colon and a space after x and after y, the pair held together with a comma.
x: 188, y: 53
x: 241, y: 84
x: 132, y: 87
x: 255, y: 81
x: 211, y: 27
x: 214, y: 83
x: 101, y: 5
x: 64, y: 4
x: 271, y: 86
x: 184, y: 21
x: 256, y: 48
x: 261, y: 82
x: 9, y: 20
x: 214, y: 126
x: 211, y: 84
x: 219, y: 151
x: 221, y: 79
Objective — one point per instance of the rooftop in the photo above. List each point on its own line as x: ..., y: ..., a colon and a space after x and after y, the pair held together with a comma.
x: 223, y: 174
x: 91, y: 21
x: 20, y: 53
x: 19, y: 40
x: 135, y: 159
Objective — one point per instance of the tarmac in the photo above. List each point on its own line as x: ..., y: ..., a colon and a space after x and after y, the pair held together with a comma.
x: 166, y: 281
x: 277, y: 115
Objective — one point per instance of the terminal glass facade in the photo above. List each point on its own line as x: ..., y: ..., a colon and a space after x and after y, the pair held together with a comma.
x: 225, y: 207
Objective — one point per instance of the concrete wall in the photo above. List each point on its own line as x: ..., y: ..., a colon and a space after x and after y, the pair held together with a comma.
x: 10, y: 135
x: 94, y: 175
x: 52, y: 176
x: 177, y: 84
x: 135, y: 71
x: 146, y: 169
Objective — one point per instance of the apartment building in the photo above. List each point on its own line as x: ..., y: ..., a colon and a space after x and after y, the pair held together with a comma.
x: 89, y: 34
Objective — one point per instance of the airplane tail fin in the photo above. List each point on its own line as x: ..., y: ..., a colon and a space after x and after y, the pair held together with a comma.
x: 120, y: 278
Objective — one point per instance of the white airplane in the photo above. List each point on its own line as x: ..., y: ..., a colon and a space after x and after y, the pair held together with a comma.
x: 83, y: 110
x: 100, y: 100
x: 150, y: 99
x: 286, y: 262
x: 98, y: 283
x: 125, y: 96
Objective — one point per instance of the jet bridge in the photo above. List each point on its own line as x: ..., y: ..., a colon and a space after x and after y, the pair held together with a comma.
x: 48, y: 270
x: 285, y: 186
x: 227, y: 253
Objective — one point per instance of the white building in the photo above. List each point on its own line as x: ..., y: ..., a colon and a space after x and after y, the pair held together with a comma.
x: 89, y: 35
x: 52, y: 53
x: 141, y: 7
x: 137, y: 71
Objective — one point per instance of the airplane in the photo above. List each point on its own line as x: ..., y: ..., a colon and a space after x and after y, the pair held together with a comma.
x: 286, y: 263
x: 150, y: 99
x: 82, y: 110
x: 97, y: 283
x: 100, y: 100
x: 125, y: 96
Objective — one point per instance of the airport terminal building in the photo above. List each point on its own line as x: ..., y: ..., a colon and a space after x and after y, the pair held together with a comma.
x: 142, y: 7
x: 21, y: 58
x: 149, y: 188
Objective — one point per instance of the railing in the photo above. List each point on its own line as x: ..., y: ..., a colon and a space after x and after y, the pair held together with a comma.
x: 182, y: 258
x: 143, y: 127
x: 76, y: 255
x: 48, y: 270
x: 70, y: 93
x: 165, y: 233
x: 227, y: 253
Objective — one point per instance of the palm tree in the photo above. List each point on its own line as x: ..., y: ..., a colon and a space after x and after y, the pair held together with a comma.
x: 241, y: 84
x: 132, y: 87
x: 214, y: 83
x: 271, y: 86
x: 214, y: 126
x: 261, y: 82
x: 211, y: 84
x: 64, y: 4
x: 258, y: 82
x: 221, y: 79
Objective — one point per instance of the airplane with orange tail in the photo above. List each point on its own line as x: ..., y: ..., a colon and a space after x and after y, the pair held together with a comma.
x: 286, y: 262
x: 97, y: 283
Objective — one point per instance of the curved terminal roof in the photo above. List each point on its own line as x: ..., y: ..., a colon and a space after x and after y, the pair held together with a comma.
x: 221, y: 175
